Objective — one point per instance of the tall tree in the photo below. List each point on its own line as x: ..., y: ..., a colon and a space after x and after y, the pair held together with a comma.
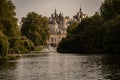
x: 35, y: 28
x: 8, y: 25
x: 109, y: 9
x: 8, y: 21
x: 112, y: 37
x: 86, y: 37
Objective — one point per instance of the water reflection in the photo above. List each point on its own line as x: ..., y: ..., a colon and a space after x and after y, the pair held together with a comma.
x: 111, y: 66
x: 7, y: 69
x: 61, y: 67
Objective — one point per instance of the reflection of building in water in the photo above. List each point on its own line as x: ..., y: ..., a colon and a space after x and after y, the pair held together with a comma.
x: 58, y: 26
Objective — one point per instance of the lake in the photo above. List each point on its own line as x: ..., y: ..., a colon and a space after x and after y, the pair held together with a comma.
x: 56, y: 66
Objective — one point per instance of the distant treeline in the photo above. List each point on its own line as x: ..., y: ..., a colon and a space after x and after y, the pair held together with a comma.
x: 99, y: 33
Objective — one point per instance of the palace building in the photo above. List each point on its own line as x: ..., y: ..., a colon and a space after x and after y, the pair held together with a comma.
x: 58, y: 26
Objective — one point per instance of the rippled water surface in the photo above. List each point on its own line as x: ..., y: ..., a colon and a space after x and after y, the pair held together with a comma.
x: 55, y: 66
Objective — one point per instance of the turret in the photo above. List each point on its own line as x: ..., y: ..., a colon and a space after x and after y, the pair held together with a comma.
x: 55, y: 11
x: 80, y: 10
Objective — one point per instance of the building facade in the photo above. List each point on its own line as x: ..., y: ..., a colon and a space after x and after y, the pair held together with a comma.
x: 58, y: 26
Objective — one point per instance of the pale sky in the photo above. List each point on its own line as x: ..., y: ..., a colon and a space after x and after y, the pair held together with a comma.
x: 47, y: 7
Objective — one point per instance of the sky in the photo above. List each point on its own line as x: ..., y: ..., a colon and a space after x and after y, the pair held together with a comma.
x: 47, y: 7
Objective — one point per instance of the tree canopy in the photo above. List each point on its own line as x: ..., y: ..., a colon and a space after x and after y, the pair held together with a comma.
x: 8, y: 21
x: 112, y: 36
x: 109, y: 9
x: 87, y: 36
x: 10, y: 38
x: 99, y: 33
x: 35, y: 28
x: 8, y: 25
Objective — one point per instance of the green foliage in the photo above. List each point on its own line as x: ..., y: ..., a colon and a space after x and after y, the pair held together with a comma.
x: 14, y: 42
x: 9, y: 28
x: 8, y: 25
x: 8, y: 21
x: 39, y: 48
x: 21, y: 44
x: 99, y: 33
x: 86, y: 37
x: 109, y: 9
x: 7, y: 8
x: 4, y: 45
x: 112, y: 37
x: 35, y: 28
x: 26, y: 45
x: 71, y: 27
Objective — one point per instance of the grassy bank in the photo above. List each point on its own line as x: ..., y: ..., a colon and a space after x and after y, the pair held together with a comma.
x: 39, y: 48
x: 11, y: 57
x: 14, y: 56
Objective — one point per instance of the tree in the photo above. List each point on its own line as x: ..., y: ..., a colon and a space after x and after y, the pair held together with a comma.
x: 71, y: 27
x: 8, y: 26
x: 99, y: 33
x: 8, y: 21
x: 112, y: 36
x: 4, y: 45
x: 86, y: 37
x: 91, y: 33
x: 109, y: 9
x: 35, y: 28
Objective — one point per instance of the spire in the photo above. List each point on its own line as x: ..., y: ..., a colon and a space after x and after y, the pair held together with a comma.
x: 55, y: 10
x: 80, y: 10
x: 61, y: 13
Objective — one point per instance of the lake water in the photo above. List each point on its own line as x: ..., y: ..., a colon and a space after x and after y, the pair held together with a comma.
x: 55, y: 66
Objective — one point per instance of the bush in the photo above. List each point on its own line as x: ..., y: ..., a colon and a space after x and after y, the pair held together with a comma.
x: 14, y: 42
x: 26, y: 45
x: 21, y: 44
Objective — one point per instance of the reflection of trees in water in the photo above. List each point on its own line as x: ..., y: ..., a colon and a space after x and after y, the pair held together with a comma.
x: 6, y: 65
x: 7, y: 70
x: 108, y: 65
x: 111, y: 67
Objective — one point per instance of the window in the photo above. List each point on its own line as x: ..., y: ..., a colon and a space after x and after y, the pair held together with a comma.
x: 52, y: 39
